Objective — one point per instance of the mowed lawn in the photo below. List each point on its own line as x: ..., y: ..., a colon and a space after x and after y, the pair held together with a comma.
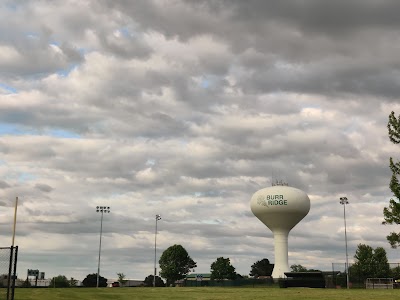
x: 203, y: 293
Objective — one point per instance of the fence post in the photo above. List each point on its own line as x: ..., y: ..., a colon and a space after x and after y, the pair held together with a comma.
x: 15, y: 252
x: 9, y: 273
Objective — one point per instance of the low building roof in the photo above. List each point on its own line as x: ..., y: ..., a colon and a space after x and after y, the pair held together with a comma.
x: 195, y: 275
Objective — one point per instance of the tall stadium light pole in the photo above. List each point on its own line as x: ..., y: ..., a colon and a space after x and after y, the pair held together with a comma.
x: 102, y: 210
x: 344, y: 202
x: 15, y: 221
x: 158, y: 218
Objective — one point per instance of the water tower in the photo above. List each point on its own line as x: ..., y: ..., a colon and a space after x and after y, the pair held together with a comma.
x: 280, y: 208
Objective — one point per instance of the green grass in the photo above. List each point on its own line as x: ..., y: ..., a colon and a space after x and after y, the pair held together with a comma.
x: 203, y: 293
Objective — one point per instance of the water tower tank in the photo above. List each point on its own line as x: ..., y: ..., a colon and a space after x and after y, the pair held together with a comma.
x: 280, y: 208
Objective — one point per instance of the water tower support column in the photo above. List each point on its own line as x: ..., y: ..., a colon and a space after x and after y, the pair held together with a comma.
x: 281, y: 254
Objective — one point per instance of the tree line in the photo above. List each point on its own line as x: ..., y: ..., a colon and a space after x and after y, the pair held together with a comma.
x: 175, y: 264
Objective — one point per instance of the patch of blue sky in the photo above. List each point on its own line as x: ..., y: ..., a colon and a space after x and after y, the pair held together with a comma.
x: 207, y: 194
x: 14, y: 129
x: 205, y: 83
x: 11, y: 129
x: 9, y: 89
x: 65, y: 72
x: 83, y: 50
x: 55, y: 43
x: 32, y: 35
x: 24, y: 177
x: 353, y: 126
x: 61, y: 133
x: 11, y: 6
x: 208, y: 81
x: 125, y: 32
x: 150, y: 162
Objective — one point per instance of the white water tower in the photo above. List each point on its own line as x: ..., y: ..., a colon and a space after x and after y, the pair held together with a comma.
x: 280, y: 208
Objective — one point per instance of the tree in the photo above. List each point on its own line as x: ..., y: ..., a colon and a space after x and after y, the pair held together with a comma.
x: 26, y: 283
x: 369, y: 263
x: 121, y: 278
x: 298, y: 268
x: 362, y: 268
x: 91, y: 281
x: 73, y: 282
x: 261, y: 268
x: 395, y: 272
x: 391, y: 214
x: 175, y: 263
x: 382, y: 267
x: 59, y: 281
x: 222, y: 269
x: 148, y: 281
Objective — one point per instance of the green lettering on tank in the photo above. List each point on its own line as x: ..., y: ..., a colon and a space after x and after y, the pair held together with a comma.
x: 271, y: 200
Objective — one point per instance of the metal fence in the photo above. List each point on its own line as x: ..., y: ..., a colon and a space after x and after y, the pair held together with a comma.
x: 358, y: 274
x: 254, y: 282
x: 335, y: 278
x: 8, y: 268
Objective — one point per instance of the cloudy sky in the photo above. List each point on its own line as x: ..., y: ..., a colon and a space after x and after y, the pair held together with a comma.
x: 186, y: 109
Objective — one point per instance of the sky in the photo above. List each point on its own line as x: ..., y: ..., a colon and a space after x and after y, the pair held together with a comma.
x: 186, y: 109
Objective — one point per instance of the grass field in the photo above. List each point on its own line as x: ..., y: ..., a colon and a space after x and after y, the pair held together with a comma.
x: 211, y: 293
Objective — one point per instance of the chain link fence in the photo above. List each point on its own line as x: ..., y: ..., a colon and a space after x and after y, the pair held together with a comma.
x: 335, y: 278
x: 254, y: 282
x: 358, y: 274
x: 8, y: 268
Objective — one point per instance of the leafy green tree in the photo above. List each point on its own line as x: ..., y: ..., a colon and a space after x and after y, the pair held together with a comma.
x: 382, y: 267
x: 395, y: 272
x: 91, y: 281
x: 391, y: 214
x: 298, y: 268
x: 59, y: 281
x: 121, y: 278
x: 175, y: 263
x: 73, y: 282
x: 26, y: 283
x: 369, y: 262
x: 222, y: 269
x: 363, y: 265
x: 341, y: 278
x: 148, y: 281
x: 261, y: 268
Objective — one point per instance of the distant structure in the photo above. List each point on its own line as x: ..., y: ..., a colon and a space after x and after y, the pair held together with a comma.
x: 280, y: 208
x: 279, y: 182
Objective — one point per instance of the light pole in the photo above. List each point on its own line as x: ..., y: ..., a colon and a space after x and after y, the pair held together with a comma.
x: 102, y: 210
x: 344, y: 202
x: 158, y: 218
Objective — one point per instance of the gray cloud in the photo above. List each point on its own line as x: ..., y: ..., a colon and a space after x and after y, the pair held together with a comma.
x: 4, y: 185
x: 44, y: 187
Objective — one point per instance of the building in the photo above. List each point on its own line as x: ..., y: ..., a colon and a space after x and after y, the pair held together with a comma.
x: 127, y: 283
